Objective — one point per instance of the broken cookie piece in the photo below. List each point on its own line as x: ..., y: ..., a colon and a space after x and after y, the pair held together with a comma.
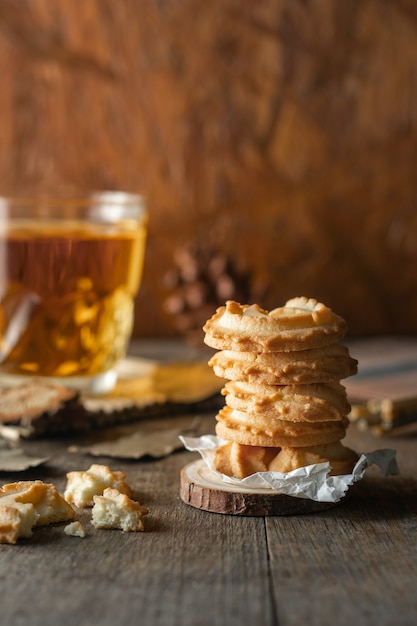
x: 16, y: 521
x: 84, y: 485
x: 116, y: 510
x: 26, y: 504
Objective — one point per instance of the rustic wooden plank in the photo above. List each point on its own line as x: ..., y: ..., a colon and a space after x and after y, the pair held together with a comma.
x: 354, y: 563
x: 187, y: 564
x: 345, y: 566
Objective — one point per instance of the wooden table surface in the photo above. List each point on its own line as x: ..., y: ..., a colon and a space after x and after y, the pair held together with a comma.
x: 353, y: 564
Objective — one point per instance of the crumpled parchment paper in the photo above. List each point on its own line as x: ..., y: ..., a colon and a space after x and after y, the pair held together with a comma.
x: 312, y: 482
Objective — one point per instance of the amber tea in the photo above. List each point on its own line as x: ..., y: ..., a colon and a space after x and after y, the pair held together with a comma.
x: 67, y: 292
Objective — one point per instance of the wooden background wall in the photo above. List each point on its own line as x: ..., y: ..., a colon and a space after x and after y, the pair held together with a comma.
x: 276, y: 142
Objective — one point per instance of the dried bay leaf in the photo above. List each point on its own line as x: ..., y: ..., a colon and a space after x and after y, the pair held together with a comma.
x: 152, y: 438
x: 16, y: 460
x: 156, y: 443
x: 138, y: 386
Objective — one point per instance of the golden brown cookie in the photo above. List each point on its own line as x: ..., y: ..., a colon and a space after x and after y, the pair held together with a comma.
x: 240, y: 461
x: 234, y: 459
x: 285, y: 406
x: 317, y: 365
x: 242, y: 427
x: 341, y: 458
x: 295, y: 403
x: 302, y: 323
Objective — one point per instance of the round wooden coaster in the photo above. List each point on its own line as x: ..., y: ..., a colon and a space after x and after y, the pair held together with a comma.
x: 202, y: 489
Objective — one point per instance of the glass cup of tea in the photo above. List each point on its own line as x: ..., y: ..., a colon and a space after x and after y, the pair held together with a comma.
x: 70, y: 269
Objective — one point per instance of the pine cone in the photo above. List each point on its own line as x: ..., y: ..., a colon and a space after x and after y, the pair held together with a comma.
x: 200, y: 282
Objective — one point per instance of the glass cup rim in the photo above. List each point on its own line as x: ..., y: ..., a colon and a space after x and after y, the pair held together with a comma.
x: 109, y: 206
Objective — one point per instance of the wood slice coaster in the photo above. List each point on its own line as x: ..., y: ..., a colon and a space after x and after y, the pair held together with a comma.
x: 202, y: 489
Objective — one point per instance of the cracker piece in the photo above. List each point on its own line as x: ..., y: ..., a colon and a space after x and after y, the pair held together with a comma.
x: 82, y: 486
x: 116, y: 510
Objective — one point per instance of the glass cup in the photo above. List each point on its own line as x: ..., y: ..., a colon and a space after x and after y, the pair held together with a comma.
x: 70, y: 269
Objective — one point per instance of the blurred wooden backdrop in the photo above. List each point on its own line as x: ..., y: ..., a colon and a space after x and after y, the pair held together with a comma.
x: 276, y: 142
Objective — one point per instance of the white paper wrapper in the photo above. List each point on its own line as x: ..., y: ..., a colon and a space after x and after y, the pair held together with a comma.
x: 312, y: 482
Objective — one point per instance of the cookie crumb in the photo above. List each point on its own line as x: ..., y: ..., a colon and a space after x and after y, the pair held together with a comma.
x: 75, y: 529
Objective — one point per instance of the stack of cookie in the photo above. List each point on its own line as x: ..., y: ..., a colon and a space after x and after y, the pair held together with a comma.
x: 285, y: 406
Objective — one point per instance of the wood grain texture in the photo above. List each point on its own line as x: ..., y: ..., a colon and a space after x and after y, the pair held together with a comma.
x: 283, y: 133
x: 355, y: 563
x: 200, y: 489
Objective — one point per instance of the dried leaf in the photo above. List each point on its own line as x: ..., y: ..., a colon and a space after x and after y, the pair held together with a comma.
x: 139, y: 386
x: 16, y: 460
x: 157, y: 443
